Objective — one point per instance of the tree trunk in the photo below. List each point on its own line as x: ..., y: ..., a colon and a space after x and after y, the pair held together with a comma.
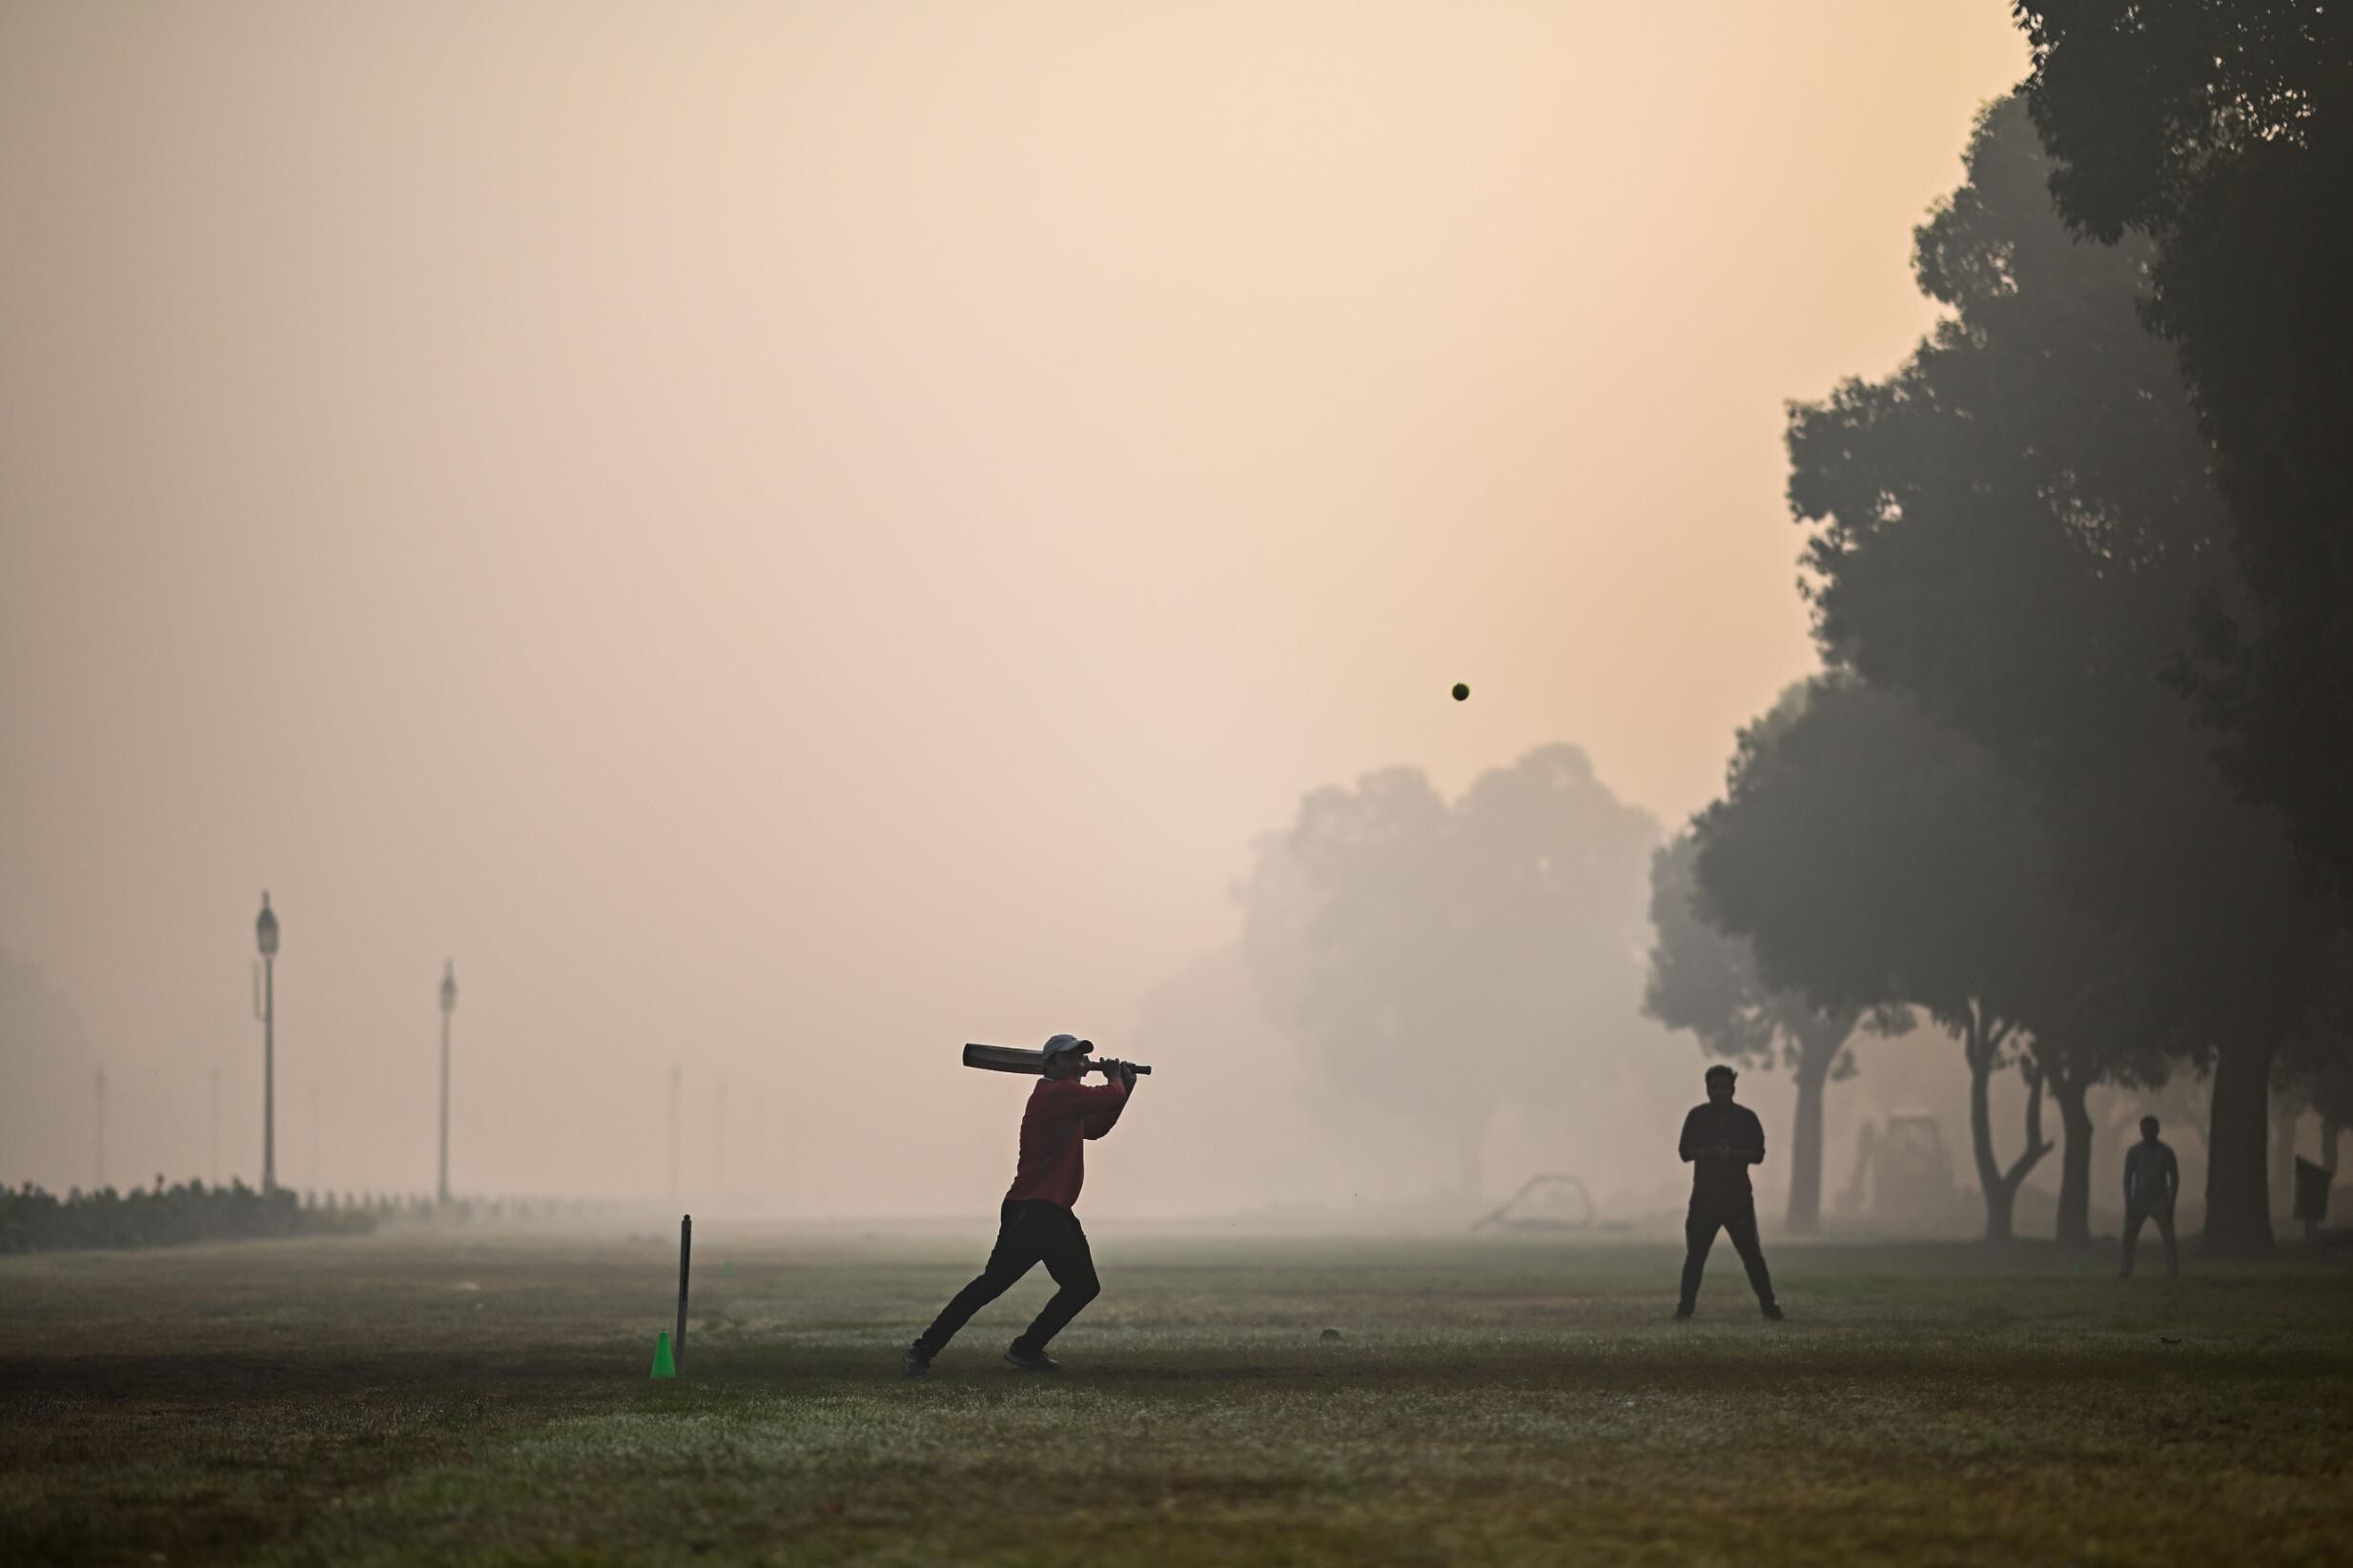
x: 2280, y: 1178
x: 2238, y: 1204
x: 1982, y: 1042
x: 2075, y: 1216
x: 1981, y: 1053
x: 2037, y: 1144
x: 1813, y: 1071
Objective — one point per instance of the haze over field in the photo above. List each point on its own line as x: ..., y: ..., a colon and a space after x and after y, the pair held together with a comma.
x: 785, y: 541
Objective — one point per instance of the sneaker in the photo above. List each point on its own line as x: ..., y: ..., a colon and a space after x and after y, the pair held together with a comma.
x: 1030, y: 1360
x: 918, y: 1362
x: 1681, y: 1312
x: 1772, y: 1311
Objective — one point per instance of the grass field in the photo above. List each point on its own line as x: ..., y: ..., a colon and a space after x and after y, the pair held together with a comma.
x: 486, y: 1400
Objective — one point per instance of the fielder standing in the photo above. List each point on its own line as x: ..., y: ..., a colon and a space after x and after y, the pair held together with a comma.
x: 2152, y: 1177
x: 1720, y: 1141
x: 1036, y: 1223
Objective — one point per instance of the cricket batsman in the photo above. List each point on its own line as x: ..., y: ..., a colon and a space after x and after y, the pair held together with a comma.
x: 1036, y: 1224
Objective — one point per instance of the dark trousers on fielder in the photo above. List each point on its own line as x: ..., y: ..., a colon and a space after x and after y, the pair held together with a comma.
x: 1737, y: 1216
x: 2163, y: 1214
x: 1029, y: 1233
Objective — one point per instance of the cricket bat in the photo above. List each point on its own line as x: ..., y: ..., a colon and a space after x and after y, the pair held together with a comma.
x: 1013, y: 1059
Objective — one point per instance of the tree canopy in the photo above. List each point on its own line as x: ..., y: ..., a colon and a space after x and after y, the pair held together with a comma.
x: 2220, y: 136
x: 1440, y: 958
x: 2017, y: 530
x: 1875, y: 857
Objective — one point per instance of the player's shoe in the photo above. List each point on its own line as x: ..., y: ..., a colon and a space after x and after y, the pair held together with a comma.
x: 918, y: 1362
x: 1030, y: 1360
x: 1681, y: 1312
x: 1772, y: 1311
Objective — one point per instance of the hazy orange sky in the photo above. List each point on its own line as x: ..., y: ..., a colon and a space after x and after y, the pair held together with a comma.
x: 786, y: 537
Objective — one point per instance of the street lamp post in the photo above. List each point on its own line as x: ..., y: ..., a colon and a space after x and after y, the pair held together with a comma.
x: 449, y: 1004
x: 265, y: 932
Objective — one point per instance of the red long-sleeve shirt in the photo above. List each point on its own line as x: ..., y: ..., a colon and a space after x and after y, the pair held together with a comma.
x: 1061, y: 1115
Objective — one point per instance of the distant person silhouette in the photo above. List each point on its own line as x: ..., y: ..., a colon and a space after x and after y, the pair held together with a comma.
x: 2151, y: 1180
x: 1720, y: 1141
x: 1036, y: 1223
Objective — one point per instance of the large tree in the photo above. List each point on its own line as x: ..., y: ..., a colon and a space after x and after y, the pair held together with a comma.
x: 2017, y: 530
x: 1874, y: 858
x: 1705, y: 980
x: 1442, y: 958
x: 2221, y: 134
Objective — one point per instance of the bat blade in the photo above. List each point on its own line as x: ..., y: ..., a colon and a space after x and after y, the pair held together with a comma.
x: 1005, y: 1059
x: 1013, y: 1059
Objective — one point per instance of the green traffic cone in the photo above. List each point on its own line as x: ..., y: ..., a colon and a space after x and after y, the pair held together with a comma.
x: 663, y: 1366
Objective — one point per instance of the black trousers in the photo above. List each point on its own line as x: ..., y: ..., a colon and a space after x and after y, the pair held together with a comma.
x: 2163, y: 1214
x: 1737, y: 1215
x: 1029, y: 1233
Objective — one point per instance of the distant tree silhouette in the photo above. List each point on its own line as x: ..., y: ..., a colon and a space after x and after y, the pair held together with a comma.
x: 1441, y: 960
x: 46, y: 1064
x: 2017, y: 530
x: 2223, y: 133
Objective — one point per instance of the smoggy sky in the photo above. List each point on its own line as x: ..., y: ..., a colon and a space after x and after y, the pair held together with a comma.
x: 786, y: 537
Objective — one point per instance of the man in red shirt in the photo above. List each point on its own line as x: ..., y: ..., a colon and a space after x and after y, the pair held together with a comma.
x: 1035, y: 1225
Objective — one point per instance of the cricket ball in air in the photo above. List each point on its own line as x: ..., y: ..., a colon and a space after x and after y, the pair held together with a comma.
x: 1461, y: 691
